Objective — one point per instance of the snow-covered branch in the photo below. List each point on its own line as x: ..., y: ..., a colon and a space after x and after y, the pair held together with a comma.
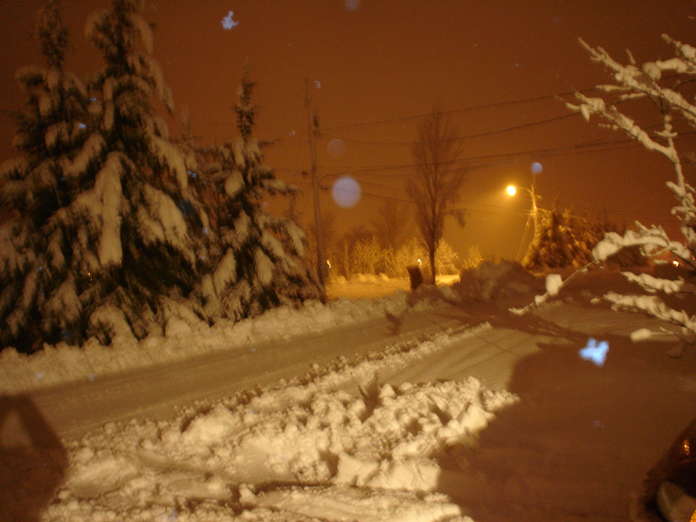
x: 654, y: 306
x: 634, y: 81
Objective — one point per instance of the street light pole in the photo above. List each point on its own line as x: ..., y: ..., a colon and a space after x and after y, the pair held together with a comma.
x: 534, y: 214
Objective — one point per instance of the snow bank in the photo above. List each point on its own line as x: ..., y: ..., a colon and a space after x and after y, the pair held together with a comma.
x: 296, y: 452
x: 190, y: 338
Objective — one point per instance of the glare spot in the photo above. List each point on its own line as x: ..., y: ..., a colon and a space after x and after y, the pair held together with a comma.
x: 346, y: 192
x: 595, y: 352
x: 336, y: 147
x: 537, y: 167
x: 39, y: 375
x: 352, y: 5
x: 228, y: 22
x: 317, y: 84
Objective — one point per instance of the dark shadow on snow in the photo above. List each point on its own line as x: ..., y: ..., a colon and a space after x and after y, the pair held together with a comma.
x: 31, y: 467
x: 580, y: 442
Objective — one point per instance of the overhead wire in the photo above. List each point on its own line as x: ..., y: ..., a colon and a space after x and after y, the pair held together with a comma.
x: 470, y: 108
x: 467, y: 136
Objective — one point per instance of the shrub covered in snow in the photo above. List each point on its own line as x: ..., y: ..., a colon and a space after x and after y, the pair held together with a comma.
x: 566, y: 240
x: 490, y: 281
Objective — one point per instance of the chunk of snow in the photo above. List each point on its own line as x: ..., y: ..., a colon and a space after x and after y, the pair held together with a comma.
x: 171, y: 156
x: 225, y: 272
x: 264, y: 267
x: 554, y: 282
x: 640, y: 335
x: 653, y: 284
x: 234, y: 183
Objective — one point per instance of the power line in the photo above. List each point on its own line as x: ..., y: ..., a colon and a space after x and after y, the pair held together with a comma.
x: 586, y: 147
x: 468, y: 136
x: 464, y: 109
x: 471, y: 108
x: 495, y: 210
x: 466, y: 163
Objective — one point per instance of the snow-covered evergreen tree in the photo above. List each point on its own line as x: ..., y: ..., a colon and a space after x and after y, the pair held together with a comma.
x: 141, y: 212
x: 120, y: 242
x: 37, y: 298
x: 259, y: 262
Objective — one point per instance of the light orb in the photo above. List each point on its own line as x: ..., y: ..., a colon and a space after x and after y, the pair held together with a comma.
x: 336, y: 147
x: 537, y: 168
x: 346, y: 192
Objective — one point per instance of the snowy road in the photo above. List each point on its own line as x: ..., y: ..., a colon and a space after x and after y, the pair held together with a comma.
x: 434, y: 421
x: 76, y: 408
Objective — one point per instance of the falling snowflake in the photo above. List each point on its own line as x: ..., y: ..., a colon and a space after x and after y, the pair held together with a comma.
x: 228, y: 22
x: 595, y: 352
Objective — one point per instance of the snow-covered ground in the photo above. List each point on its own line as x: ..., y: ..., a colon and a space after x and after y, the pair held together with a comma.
x: 369, y: 286
x: 301, y: 451
x: 188, y: 338
x: 415, y: 430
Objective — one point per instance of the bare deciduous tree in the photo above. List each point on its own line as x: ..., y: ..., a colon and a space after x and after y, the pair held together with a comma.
x: 391, y: 224
x: 436, y: 186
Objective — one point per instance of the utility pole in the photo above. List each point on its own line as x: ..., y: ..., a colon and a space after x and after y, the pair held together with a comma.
x: 312, y: 131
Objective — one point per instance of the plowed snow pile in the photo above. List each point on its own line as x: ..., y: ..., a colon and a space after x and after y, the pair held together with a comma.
x: 298, y: 452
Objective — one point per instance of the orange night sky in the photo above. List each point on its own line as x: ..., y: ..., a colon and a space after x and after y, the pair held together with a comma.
x: 377, y: 66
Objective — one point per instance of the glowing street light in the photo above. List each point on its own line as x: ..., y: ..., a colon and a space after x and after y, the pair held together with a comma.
x: 511, y: 191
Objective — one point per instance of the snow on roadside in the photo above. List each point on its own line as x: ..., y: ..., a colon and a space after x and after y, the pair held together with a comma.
x: 186, y: 337
x: 301, y: 451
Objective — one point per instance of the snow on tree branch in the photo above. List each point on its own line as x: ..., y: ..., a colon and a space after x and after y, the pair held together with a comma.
x: 652, y: 305
x: 634, y: 81
x: 652, y: 240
